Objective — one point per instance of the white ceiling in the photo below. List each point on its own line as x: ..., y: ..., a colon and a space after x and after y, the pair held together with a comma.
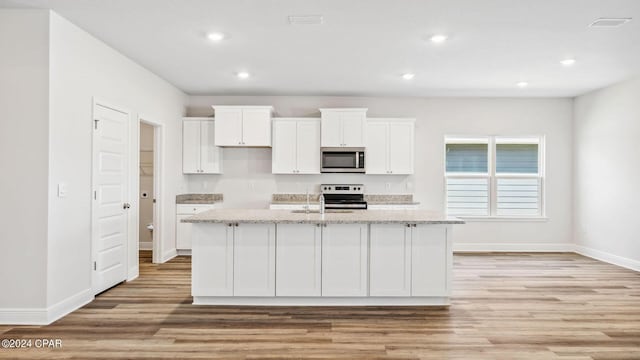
x: 364, y: 46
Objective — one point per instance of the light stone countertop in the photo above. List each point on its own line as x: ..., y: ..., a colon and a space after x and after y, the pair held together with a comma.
x: 266, y: 216
x: 198, y: 198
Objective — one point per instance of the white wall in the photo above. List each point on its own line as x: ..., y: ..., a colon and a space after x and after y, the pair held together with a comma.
x: 81, y: 68
x: 24, y: 99
x: 247, y: 180
x: 607, y: 173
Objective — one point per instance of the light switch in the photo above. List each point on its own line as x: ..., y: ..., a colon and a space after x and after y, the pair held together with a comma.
x: 62, y: 190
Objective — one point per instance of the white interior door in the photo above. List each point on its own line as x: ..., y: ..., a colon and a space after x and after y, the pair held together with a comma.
x: 110, y: 184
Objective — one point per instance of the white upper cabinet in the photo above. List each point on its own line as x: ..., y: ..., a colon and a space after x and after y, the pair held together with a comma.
x: 243, y: 125
x: 296, y: 146
x: 390, y: 146
x: 199, y: 153
x: 343, y: 127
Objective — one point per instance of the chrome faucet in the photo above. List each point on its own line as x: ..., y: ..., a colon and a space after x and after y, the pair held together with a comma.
x: 321, y: 203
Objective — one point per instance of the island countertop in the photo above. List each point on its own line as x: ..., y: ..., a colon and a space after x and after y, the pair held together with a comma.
x: 262, y: 216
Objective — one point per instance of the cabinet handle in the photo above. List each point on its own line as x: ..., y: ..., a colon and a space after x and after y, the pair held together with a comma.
x: 408, y: 225
x: 237, y: 224
x: 229, y: 225
x: 415, y: 225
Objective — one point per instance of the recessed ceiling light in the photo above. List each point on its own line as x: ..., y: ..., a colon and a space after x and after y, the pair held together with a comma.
x: 568, y: 62
x: 408, y: 76
x: 522, y: 84
x: 216, y: 36
x: 438, y: 39
x: 243, y: 75
x: 609, y: 22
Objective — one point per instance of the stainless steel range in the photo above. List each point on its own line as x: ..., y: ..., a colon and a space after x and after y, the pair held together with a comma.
x: 343, y: 196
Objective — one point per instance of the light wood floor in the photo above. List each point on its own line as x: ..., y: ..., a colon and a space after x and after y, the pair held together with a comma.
x: 505, y: 306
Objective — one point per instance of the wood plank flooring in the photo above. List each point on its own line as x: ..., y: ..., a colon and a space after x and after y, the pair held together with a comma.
x: 505, y: 306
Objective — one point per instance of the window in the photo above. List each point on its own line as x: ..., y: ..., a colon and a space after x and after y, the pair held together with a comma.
x: 494, y: 176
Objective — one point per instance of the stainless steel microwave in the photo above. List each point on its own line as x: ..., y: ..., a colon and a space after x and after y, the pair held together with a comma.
x: 342, y: 160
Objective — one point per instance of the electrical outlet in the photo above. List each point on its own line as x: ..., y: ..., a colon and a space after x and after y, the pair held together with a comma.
x: 62, y: 190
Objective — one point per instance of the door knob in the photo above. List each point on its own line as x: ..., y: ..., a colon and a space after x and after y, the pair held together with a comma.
x: 126, y: 206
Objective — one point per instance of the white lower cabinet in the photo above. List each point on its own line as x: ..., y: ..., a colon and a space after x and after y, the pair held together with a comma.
x: 344, y: 260
x: 390, y: 260
x: 306, y: 263
x: 212, y: 263
x: 431, y: 260
x: 298, y: 260
x: 254, y: 255
x: 183, y: 230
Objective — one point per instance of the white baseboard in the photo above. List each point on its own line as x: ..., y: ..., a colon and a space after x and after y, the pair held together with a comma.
x: 133, y: 273
x: 527, y: 247
x: 45, y: 316
x: 146, y: 245
x: 169, y: 255
x: 608, y: 257
x: 184, y: 252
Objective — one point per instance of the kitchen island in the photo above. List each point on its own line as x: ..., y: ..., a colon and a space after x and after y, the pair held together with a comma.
x: 284, y: 257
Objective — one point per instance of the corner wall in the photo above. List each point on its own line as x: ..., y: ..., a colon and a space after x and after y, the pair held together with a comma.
x: 24, y: 145
x: 82, y: 68
x: 607, y: 174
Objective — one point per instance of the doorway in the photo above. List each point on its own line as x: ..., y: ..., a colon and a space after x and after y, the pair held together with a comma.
x: 146, y: 205
x: 150, y: 191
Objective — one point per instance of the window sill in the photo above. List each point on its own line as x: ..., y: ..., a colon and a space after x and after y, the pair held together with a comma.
x: 504, y: 218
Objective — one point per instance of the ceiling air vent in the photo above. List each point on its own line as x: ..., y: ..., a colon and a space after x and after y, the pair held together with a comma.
x: 305, y: 19
x: 609, y: 22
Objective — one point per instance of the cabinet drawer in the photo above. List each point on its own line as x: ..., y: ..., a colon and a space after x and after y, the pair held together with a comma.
x: 192, y: 209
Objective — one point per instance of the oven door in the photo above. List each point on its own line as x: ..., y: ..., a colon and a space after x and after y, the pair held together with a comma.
x: 342, y: 160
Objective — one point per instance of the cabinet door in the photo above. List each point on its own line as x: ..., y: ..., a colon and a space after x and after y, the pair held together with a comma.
x: 308, y: 147
x: 401, y: 135
x: 353, y: 128
x: 256, y: 127
x: 298, y: 260
x: 183, y: 233
x: 254, y: 259
x: 212, y: 260
x: 344, y: 260
x: 390, y: 260
x: 209, y: 153
x: 331, y: 129
x: 283, y: 158
x: 228, y: 127
x: 431, y: 258
x: 377, y: 151
x: 190, y: 147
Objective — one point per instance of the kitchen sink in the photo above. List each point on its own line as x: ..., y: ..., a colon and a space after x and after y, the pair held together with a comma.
x: 331, y: 211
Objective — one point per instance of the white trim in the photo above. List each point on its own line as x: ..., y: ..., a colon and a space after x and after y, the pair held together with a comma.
x: 134, y: 272
x: 525, y: 247
x: 146, y: 245
x: 169, y: 255
x: 321, y: 301
x: 608, y: 257
x: 45, y: 316
x: 183, y: 252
